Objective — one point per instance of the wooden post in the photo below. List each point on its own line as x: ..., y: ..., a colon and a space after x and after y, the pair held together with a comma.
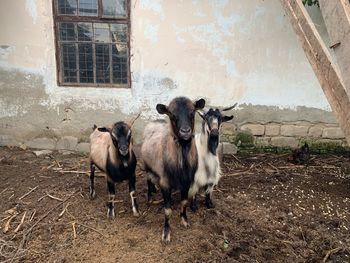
x: 321, y: 62
x: 336, y: 15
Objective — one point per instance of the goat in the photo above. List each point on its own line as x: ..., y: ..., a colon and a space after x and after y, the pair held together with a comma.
x: 208, y: 173
x: 111, y: 151
x: 170, y: 156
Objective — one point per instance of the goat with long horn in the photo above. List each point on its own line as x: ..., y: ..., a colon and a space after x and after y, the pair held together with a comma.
x: 208, y: 173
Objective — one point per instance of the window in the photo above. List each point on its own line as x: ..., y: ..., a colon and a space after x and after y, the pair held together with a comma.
x: 92, y: 42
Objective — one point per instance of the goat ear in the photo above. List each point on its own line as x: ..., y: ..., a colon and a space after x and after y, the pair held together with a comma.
x: 199, y: 104
x: 103, y: 129
x: 162, y: 109
x: 201, y: 113
x: 227, y: 118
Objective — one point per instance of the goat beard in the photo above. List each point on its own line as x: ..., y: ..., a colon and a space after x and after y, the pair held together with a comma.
x: 213, y: 143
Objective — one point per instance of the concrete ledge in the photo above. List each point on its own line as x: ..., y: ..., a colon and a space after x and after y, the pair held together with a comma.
x: 42, y: 143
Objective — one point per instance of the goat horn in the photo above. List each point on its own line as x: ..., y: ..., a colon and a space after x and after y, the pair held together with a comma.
x: 131, y: 123
x: 229, y: 108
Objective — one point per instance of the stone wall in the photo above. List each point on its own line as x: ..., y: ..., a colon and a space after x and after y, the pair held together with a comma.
x: 284, y: 134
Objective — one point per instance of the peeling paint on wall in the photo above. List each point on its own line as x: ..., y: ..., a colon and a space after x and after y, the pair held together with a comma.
x: 151, y: 32
x: 31, y: 9
x: 226, y: 51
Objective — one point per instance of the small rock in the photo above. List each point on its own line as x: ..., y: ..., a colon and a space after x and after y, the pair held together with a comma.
x: 42, y: 152
x: 229, y: 148
x: 229, y: 197
x: 23, y: 146
x: 65, y: 152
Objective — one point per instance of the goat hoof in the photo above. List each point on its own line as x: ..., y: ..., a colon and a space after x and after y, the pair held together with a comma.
x: 110, y: 214
x: 209, y: 205
x: 166, y: 236
x: 184, y: 222
x: 92, y: 193
x: 135, y: 212
x: 194, y: 207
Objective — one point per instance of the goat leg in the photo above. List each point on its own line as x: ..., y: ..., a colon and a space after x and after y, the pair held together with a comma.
x: 194, y: 204
x: 134, y: 205
x: 92, y: 184
x: 208, y: 197
x: 111, y: 196
x: 184, y: 197
x: 151, y: 189
x: 167, y: 213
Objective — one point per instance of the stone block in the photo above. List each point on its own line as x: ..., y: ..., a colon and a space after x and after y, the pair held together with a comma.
x: 294, y: 130
x: 229, y: 148
x: 228, y: 128
x: 255, y: 129
x: 284, y: 142
x: 315, y: 131
x: 272, y: 130
x: 83, y: 147
x: 333, y: 133
x: 42, y: 143
x: 262, y: 141
x: 67, y: 143
x: 42, y: 152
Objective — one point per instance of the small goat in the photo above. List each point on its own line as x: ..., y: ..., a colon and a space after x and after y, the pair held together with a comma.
x: 170, y: 156
x: 209, y: 172
x: 111, y: 151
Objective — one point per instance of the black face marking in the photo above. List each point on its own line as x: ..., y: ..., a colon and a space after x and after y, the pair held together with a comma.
x: 181, y: 115
x: 213, y: 119
x: 121, y: 137
x: 181, y: 112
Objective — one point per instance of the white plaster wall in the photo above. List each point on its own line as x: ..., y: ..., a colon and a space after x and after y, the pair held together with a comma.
x: 223, y: 50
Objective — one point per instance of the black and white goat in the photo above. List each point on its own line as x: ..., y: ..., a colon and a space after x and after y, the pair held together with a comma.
x: 170, y: 156
x: 208, y: 173
x: 111, y: 151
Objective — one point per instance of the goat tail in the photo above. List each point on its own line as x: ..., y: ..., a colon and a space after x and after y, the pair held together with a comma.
x: 94, y: 127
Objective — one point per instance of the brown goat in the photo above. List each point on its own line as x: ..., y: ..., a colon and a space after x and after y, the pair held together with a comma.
x: 170, y: 156
x: 111, y: 151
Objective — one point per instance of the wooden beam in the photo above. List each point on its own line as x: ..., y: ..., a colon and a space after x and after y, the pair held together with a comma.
x: 321, y: 62
x: 336, y: 15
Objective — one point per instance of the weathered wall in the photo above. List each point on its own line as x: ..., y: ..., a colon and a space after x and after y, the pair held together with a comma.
x: 225, y: 51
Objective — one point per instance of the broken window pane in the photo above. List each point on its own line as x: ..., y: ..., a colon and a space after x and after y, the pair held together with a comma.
x: 69, y: 63
x: 119, y: 33
x: 67, y: 31
x: 102, y: 63
x: 88, y: 7
x: 114, y: 8
x: 85, y: 32
x: 67, y: 7
x: 86, y: 73
x: 120, y: 66
x: 102, y: 32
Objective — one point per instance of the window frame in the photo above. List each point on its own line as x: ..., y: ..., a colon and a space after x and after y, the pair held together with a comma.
x: 57, y: 18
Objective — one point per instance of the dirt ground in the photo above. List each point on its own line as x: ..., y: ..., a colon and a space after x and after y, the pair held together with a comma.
x: 267, y: 210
